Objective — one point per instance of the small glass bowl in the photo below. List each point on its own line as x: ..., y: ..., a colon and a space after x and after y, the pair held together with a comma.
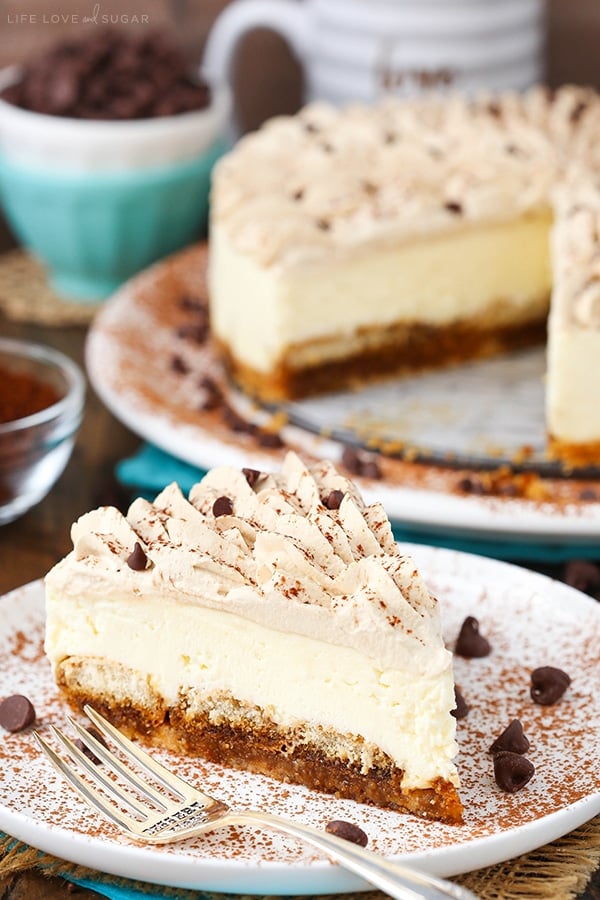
x: 35, y: 449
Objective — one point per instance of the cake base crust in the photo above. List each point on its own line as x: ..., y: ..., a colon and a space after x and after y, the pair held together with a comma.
x: 248, y: 741
x: 384, y: 352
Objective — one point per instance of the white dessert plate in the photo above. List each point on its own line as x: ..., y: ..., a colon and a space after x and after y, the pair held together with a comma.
x: 463, y: 414
x: 530, y: 621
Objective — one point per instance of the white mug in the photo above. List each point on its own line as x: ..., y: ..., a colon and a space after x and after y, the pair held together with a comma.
x: 361, y: 49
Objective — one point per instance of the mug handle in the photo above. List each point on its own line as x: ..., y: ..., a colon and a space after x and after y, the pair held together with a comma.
x: 287, y: 17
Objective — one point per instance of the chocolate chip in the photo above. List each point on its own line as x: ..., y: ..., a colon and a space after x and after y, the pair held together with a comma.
x: 269, y: 439
x: 454, y: 208
x: 588, y: 494
x: 370, y: 469
x: 582, y: 575
x: 252, y: 476
x: 512, y: 739
x: 472, y: 485
x: 548, y: 684
x: 358, y: 464
x: 213, y: 396
x: 137, y: 559
x: 179, y: 365
x: 196, y: 332
x: 86, y: 750
x: 347, y: 831
x: 236, y: 423
x: 222, y: 507
x: 333, y: 499
x: 512, y: 771
x: 16, y: 713
x: 470, y: 643
x: 461, y: 710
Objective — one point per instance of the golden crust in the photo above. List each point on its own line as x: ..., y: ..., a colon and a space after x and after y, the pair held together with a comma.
x: 394, y: 350
x: 254, y: 743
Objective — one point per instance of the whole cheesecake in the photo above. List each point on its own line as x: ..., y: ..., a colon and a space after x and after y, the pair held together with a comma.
x: 350, y: 244
x: 270, y: 622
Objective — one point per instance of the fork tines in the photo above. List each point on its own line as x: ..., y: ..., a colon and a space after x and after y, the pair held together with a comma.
x: 114, y: 787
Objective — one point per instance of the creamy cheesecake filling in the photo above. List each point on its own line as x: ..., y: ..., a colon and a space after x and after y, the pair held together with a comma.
x: 296, y: 678
x: 287, y: 600
x: 310, y: 314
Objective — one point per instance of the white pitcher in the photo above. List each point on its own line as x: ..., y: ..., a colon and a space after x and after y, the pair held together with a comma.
x: 360, y: 49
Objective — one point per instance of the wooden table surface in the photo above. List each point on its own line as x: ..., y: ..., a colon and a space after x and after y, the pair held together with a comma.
x: 31, y: 545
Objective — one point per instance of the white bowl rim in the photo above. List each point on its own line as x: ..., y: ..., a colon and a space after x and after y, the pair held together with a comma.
x: 73, y: 400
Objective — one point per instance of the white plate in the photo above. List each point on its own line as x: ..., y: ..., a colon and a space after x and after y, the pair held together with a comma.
x: 530, y: 621
x: 128, y: 354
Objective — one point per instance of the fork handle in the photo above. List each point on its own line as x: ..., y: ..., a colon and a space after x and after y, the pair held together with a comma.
x: 396, y: 879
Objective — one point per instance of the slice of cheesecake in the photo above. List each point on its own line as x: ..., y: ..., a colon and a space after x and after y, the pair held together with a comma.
x: 270, y: 622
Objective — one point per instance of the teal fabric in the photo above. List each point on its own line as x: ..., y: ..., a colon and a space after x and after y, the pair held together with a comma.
x: 150, y: 469
x: 120, y: 892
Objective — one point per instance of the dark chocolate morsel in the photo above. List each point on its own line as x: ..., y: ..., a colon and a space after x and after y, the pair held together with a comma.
x: 512, y: 739
x: 333, y: 499
x: 461, y: 710
x: 137, y: 559
x: 548, y: 684
x: 470, y: 643
x: 512, y: 771
x: 16, y: 713
x: 348, y: 831
x: 222, y: 507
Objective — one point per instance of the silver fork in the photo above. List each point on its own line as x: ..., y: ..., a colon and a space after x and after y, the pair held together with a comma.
x: 162, y: 820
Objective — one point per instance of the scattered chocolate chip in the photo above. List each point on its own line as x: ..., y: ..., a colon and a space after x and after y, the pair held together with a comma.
x: 512, y: 771
x: 222, y: 507
x: 137, y: 559
x: 470, y: 643
x: 333, y: 499
x: 511, y: 739
x: 252, y: 476
x: 358, y: 464
x: 179, y: 365
x: 588, y: 494
x: 348, y: 831
x: 471, y: 485
x: 269, y: 439
x: 454, y: 208
x: 86, y: 750
x: 548, y: 684
x: 196, y: 332
x: 583, y: 575
x: 461, y: 710
x: 213, y: 396
x: 370, y: 469
x: 192, y: 304
x: 16, y: 713
x: 236, y: 423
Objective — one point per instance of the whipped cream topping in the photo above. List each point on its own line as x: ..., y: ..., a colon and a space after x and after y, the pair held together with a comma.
x: 336, y: 179
x: 281, y: 558
x: 576, y: 251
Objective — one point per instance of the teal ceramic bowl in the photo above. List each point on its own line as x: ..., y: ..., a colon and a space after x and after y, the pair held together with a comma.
x: 93, y: 230
x: 97, y: 201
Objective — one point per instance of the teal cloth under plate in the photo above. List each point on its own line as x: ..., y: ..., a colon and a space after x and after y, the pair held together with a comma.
x: 150, y: 469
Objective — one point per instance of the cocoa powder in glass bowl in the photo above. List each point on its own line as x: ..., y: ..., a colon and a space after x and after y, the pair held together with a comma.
x: 41, y: 402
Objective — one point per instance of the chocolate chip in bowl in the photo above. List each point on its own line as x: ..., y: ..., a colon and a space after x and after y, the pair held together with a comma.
x: 41, y: 403
x: 105, y: 135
